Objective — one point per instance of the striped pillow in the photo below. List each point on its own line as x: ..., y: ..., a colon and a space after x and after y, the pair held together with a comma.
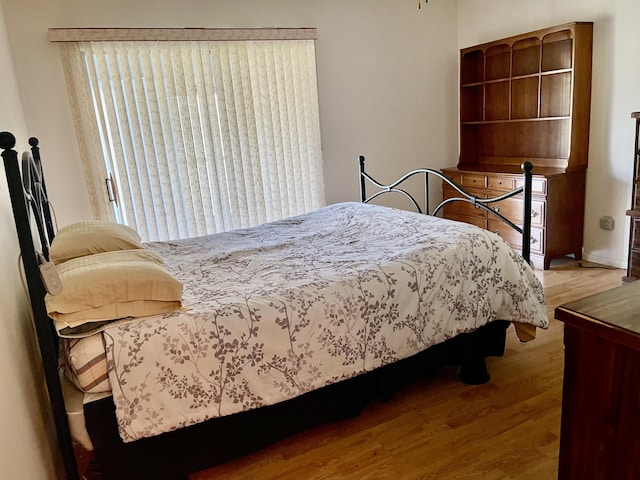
x: 84, y: 362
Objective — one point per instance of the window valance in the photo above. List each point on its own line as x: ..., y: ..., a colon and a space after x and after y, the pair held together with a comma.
x: 179, y: 34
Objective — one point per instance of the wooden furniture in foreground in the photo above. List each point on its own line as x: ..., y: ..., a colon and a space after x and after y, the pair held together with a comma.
x: 600, y: 428
x: 633, y: 264
x: 527, y: 98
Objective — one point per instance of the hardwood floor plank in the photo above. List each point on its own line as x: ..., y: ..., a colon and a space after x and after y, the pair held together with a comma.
x: 440, y: 428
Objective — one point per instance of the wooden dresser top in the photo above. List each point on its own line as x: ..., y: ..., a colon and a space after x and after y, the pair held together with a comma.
x: 614, y: 314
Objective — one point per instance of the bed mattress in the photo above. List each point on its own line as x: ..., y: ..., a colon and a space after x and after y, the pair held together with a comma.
x: 278, y: 310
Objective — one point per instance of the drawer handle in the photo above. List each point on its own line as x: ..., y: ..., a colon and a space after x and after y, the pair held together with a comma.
x: 496, y: 209
x: 534, y: 214
x: 497, y: 233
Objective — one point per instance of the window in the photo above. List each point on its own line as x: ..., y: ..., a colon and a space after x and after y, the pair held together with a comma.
x: 182, y: 137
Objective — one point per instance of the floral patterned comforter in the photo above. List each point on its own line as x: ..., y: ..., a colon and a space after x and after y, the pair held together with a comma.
x: 288, y: 307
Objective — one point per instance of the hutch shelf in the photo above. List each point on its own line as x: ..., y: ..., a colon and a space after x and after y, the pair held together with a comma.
x: 527, y: 97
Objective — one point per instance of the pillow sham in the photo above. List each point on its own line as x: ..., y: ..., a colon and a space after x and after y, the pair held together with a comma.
x: 101, y: 288
x: 91, y: 236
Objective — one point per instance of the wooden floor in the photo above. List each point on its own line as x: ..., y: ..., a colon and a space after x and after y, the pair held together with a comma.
x: 440, y: 428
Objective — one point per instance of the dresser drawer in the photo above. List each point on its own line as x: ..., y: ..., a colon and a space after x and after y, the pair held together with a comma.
x: 454, y: 177
x: 514, y: 238
x: 634, y: 264
x: 473, y: 180
x: 513, y: 209
x: 461, y: 208
x: 505, y: 184
x: 538, y: 185
x: 635, y: 233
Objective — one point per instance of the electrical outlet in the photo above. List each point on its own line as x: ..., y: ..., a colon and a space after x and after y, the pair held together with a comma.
x: 607, y: 223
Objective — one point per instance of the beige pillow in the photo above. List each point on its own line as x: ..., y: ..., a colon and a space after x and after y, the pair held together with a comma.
x: 89, y: 237
x: 109, y: 286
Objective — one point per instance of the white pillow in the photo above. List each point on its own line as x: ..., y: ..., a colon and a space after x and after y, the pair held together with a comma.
x: 100, y: 288
x: 89, y: 237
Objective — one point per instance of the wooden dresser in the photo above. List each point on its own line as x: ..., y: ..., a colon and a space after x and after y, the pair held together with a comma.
x: 527, y: 97
x: 633, y: 263
x: 600, y: 427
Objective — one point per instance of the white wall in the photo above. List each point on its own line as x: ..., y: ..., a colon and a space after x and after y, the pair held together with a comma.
x: 387, y: 83
x: 27, y: 450
x: 615, y: 94
x: 387, y: 78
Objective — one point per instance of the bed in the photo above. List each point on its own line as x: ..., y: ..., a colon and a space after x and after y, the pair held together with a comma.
x: 253, y: 335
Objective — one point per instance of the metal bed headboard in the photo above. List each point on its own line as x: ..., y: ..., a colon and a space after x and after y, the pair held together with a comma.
x: 525, y: 190
x: 28, y: 194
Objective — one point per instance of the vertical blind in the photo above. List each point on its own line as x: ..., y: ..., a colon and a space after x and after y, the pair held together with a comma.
x: 198, y: 136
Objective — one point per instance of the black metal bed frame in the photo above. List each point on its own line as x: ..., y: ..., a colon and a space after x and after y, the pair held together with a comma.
x: 30, y: 204
x: 483, y: 203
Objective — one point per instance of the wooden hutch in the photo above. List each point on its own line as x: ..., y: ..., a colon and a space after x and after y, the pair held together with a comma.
x: 527, y: 97
x: 633, y: 264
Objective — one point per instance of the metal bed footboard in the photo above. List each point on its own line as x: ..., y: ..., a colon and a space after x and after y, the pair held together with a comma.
x: 525, y: 190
